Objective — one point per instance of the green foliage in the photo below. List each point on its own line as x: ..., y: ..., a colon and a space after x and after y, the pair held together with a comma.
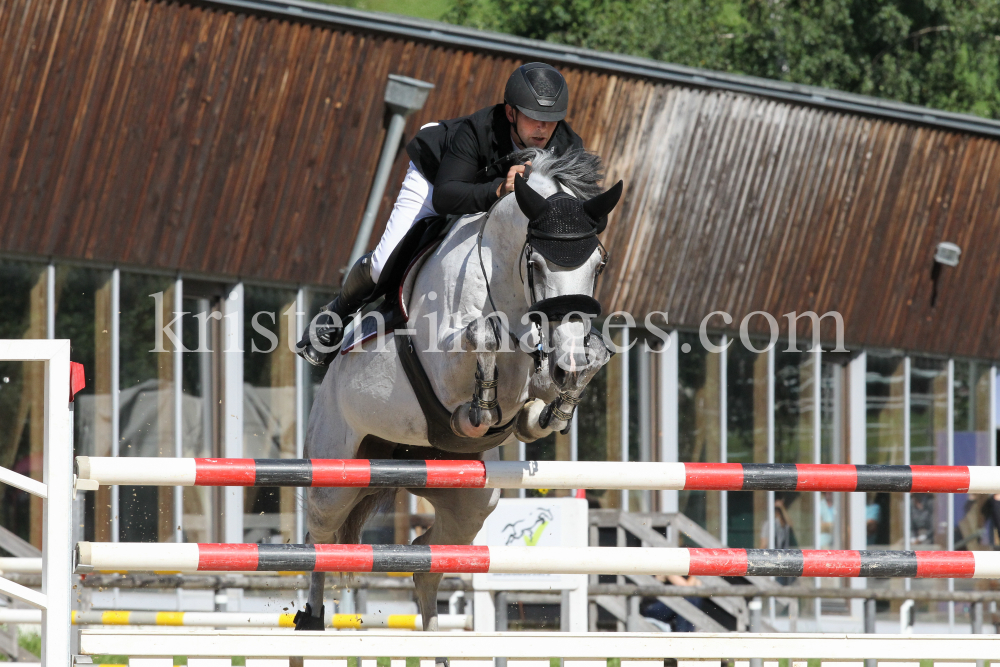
x: 939, y: 53
x: 423, y: 9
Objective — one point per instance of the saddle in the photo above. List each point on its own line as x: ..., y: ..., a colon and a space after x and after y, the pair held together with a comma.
x: 398, y: 274
x: 423, y: 236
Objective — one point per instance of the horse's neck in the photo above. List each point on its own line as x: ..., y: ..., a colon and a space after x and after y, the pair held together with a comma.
x: 504, y: 240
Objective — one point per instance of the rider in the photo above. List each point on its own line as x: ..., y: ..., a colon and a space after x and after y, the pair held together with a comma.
x: 457, y: 166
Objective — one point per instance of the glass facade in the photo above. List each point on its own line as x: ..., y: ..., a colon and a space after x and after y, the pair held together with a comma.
x: 200, y: 414
x: 145, y: 396
x: 971, y: 423
x: 832, y: 507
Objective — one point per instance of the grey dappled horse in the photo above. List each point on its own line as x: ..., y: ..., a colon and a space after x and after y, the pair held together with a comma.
x: 367, y: 408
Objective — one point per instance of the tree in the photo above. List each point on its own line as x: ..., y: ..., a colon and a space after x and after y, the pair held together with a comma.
x: 939, y: 53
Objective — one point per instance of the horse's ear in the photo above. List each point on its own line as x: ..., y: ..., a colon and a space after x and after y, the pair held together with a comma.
x: 532, y: 204
x: 598, y: 207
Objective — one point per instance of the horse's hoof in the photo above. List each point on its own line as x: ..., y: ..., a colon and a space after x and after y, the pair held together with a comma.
x: 526, y: 428
x: 441, y: 662
x: 304, y: 619
x: 461, y: 425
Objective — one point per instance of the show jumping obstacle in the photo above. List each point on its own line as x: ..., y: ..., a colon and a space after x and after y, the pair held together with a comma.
x: 275, y: 642
x: 167, y: 557
x: 365, y: 473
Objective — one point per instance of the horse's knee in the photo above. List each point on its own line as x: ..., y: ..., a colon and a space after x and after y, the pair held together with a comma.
x: 468, y: 514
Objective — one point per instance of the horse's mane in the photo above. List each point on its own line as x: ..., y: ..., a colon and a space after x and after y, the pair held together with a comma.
x: 577, y: 170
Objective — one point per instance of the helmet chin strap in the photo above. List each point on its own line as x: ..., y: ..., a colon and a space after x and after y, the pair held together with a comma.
x: 513, y: 127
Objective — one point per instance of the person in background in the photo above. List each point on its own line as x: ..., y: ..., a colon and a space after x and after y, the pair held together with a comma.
x: 658, y: 611
x: 921, y: 518
x: 784, y: 532
x: 873, y: 514
x: 991, y: 531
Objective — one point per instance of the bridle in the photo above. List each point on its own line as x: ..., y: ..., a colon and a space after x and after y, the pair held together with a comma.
x: 557, y: 306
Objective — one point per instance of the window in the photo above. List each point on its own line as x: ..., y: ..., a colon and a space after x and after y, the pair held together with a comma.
x: 700, y: 425
x: 83, y: 315
x: 269, y: 407
x: 146, y: 403
x: 22, y: 301
x: 885, y: 417
x: 746, y: 441
x: 794, y: 439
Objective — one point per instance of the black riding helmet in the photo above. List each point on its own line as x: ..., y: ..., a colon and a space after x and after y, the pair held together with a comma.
x: 538, y: 91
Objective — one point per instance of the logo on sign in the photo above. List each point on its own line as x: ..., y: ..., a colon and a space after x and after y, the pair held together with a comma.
x: 529, y: 529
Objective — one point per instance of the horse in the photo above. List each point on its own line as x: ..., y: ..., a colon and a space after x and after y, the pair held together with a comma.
x: 478, y: 307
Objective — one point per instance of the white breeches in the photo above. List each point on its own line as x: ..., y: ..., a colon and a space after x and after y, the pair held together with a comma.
x: 412, y: 204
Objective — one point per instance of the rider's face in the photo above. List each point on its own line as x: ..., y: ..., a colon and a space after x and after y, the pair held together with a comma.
x: 534, y: 133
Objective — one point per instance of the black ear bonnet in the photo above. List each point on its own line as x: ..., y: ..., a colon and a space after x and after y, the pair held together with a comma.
x: 561, y: 228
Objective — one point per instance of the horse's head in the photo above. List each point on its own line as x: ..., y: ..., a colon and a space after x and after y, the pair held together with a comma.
x: 562, y: 260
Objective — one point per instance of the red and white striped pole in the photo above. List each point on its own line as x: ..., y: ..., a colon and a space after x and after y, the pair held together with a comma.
x: 166, y: 557
x: 366, y: 473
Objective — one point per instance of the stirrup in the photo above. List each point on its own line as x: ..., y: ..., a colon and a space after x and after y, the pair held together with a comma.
x: 305, y: 349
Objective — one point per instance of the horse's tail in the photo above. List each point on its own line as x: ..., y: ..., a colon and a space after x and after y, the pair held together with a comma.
x: 379, y: 501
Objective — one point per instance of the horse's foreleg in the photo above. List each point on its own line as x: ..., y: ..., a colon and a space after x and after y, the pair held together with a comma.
x: 330, y: 510
x: 312, y: 617
x: 536, y: 419
x: 474, y: 418
x: 459, y: 515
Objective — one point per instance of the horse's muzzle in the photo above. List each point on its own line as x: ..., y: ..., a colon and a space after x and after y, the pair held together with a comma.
x: 568, y: 357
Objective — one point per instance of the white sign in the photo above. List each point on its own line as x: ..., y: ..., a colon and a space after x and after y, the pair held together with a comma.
x: 534, y: 522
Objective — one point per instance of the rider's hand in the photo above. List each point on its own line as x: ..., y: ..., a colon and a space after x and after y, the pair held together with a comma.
x: 508, y: 185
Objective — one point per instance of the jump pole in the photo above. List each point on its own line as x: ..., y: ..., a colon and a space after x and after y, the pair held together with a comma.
x: 198, y: 619
x: 592, y: 647
x: 166, y: 557
x: 365, y: 473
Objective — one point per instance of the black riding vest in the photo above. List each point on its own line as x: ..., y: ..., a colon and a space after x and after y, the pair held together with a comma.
x: 467, y: 157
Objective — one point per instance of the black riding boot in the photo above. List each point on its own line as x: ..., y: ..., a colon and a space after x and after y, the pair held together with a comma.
x: 324, y: 329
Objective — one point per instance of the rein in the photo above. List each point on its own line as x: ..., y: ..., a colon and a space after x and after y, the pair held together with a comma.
x: 489, y: 292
